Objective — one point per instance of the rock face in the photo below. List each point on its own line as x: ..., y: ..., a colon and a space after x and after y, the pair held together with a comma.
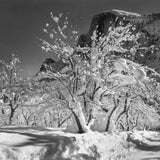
x: 51, y: 65
x: 148, y: 26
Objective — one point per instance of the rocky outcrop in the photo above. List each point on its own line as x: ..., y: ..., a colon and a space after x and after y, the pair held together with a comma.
x: 147, y: 25
x: 51, y: 65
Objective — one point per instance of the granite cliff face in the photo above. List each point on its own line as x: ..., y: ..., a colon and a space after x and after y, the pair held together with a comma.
x: 147, y: 25
x: 51, y: 65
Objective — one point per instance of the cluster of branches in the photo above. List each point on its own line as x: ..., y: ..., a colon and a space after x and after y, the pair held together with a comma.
x: 102, y: 78
x: 13, y: 88
x: 108, y: 80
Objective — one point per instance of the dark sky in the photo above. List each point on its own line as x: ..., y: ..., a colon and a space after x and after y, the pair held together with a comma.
x: 22, y: 21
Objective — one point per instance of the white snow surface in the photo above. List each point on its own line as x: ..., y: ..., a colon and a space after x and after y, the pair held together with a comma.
x: 126, y: 13
x: 12, y: 139
x: 36, y: 143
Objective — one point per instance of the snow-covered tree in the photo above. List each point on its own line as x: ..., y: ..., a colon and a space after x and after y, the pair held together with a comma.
x: 12, y: 88
x: 104, y: 77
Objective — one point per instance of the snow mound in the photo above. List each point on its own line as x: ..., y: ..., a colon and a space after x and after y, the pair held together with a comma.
x: 145, y: 139
x: 104, y: 146
x: 27, y: 143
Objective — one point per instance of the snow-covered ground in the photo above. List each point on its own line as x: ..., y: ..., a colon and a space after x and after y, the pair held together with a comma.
x: 147, y: 145
x: 28, y: 143
x: 37, y: 143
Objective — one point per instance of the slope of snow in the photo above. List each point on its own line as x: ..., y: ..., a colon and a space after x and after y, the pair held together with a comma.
x: 146, y: 144
x: 12, y: 139
x: 37, y: 143
x: 144, y: 137
x: 28, y: 143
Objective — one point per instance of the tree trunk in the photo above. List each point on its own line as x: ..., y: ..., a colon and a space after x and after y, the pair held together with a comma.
x: 11, y: 114
x: 85, y: 127
x: 109, y: 118
x: 80, y: 118
x: 80, y: 128
x: 12, y: 108
x: 111, y: 123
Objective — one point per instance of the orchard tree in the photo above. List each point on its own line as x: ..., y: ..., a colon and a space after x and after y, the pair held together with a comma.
x: 104, y: 77
x: 122, y: 82
x: 13, y: 87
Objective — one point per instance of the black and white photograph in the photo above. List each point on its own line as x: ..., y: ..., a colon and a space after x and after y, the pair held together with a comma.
x: 79, y: 79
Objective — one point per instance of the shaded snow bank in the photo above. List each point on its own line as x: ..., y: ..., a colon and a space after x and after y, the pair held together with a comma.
x: 147, y: 145
x: 144, y: 139
x: 38, y: 144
